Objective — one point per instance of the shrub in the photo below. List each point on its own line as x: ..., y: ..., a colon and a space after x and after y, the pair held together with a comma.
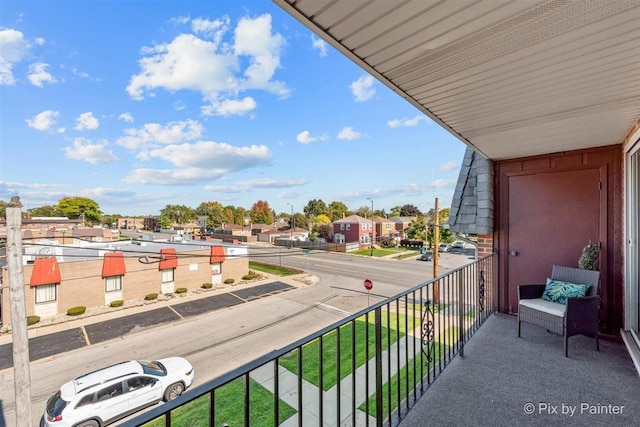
x: 207, y: 285
x: 151, y: 297
x: 248, y: 277
x: 32, y: 320
x: 181, y: 291
x: 228, y: 281
x: 76, y: 311
x: 116, y: 303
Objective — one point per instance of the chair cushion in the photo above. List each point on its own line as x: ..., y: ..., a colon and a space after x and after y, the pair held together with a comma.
x: 558, y: 291
x: 544, y: 306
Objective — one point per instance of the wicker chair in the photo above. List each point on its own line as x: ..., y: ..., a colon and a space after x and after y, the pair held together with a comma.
x: 578, y: 317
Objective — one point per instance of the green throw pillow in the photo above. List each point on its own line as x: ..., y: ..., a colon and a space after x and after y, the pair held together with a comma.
x: 558, y: 291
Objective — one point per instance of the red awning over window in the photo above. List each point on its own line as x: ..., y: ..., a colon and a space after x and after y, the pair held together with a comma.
x: 45, y: 272
x: 217, y: 254
x: 113, y: 265
x: 168, y: 259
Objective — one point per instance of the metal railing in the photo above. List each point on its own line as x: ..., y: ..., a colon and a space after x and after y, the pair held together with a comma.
x: 368, y: 369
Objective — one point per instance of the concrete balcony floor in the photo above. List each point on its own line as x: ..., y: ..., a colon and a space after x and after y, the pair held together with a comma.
x: 503, y: 380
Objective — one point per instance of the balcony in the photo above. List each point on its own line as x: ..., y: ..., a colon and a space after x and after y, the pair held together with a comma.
x: 392, y: 358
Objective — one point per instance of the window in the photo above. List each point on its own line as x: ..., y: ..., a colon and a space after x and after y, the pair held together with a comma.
x: 364, y: 227
x: 113, y: 283
x: 341, y: 226
x: 45, y: 293
x: 348, y: 227
x: 388, y: 226
x: 109, y: 392
x: 167, y: 275
x: 139, y: 382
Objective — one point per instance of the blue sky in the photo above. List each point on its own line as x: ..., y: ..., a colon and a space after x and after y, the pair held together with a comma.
x: 139, y: 104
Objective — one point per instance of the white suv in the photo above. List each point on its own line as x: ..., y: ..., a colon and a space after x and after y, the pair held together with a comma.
x: 104, y: 396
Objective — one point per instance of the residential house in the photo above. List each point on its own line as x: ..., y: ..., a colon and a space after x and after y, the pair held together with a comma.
x: 353, y: 228
x: 385, y: 228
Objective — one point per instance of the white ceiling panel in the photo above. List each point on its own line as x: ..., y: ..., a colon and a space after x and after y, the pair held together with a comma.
x: 509, y: 78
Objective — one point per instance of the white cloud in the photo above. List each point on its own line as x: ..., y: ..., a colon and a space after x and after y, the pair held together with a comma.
x: 254, y: 184
x: 179, y: 106
x: 449, y: 166
x: 211, y: 155
x: 229, y: 107
x: 126, y: 117
x: 404, y: 122
x: 349, y: 134
x: 319, y: 45
x: 38, y: 74
x: 86, y: 121
x: 85, y: 150
x: 152, y: 134
x: 305, y: 137
x: 173, y: 176
x: 214, y: 68
x: 362, y: 89
x: 13, y: 48
x: 213, y: 30
x: 43, y: 121
x: 40, y: 41
x: 178, y: 20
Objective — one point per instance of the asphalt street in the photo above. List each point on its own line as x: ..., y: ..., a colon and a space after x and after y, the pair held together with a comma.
x: 94, y: 333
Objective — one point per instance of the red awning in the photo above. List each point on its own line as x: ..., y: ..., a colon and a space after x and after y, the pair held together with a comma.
x: 113, y: 264
x: 168, y: 259
x: 45, y: 272
x: 217, y: 254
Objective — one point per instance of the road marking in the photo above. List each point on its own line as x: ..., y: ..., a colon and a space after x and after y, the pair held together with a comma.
x: 178, y: 314
x: 85, y: 335
x: 330, y: 307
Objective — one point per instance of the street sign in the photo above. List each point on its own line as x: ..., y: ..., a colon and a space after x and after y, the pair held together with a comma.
x: 368, y: 284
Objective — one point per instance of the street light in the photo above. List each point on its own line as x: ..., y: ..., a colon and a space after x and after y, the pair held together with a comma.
x: 373, y: 229
x: 291, y: 226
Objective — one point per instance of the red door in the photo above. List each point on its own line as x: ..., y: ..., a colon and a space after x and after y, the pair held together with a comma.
x: 551, y: 217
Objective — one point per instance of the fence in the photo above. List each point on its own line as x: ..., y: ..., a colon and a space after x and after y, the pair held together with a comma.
x: 368, y: 369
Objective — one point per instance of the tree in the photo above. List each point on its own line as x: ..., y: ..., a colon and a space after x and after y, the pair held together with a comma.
x: 261, y: 213
x: 445, y: 235
x: 179, y: 214
x: 240, y: 215
x: 3, y: 209
x: 323, y: 219
x: 337, y: 210
x: 214, y: 211
x: 364, y: 211
x: 417, y: 229
x: 409, y: 210
x: 47, y: 210
x: 325, y: 231
x: 314, y: 208
x: 80, y: 207
x: 300, y: 221
x: 395, y: 211
x: 110, y: 220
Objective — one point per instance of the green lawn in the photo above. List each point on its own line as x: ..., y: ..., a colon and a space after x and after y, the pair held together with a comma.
x: 400, y: 251
x: 229, y: 401
x: 311, y: 356
x: 400, y: 378
x: 272, y: 269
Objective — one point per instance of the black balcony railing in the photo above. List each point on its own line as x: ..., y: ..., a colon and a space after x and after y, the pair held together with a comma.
x: 368, y: 369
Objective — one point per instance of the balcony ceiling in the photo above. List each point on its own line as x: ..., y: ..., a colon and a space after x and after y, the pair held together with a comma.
x: 510, y: 78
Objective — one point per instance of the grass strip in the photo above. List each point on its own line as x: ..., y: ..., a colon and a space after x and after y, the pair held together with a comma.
x: 400, y: 378
x: 229, y: 408
x: 311, y: 356
x: 272, y: 269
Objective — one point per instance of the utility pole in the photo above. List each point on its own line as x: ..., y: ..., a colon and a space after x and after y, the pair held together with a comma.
x: 373, y: 227
x: 291, y: 225
x: 436, y: 253
x: 21, y: 372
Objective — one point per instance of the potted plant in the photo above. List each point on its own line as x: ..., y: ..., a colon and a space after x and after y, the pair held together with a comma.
x: 589, y: 260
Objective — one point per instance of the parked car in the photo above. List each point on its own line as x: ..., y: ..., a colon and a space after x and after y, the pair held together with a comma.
x: 444, y: 247
x: 109, y: 394
x: 459, y: 244
x: 427, y: 256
